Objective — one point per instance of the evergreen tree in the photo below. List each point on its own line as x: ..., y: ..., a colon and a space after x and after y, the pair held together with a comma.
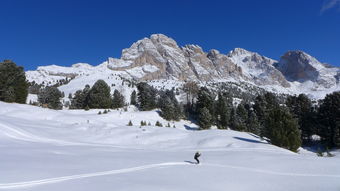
x: 159, y: 124
x: 204, y: 118
x: 13, y: 85
x: 262, y: 107
x: 329, y: 116
x: 130, y: 123
x: 118, y: 100
x: 79, y: 101
x: 242, y: 117
x: 205, y: 100
x: 170, y: 108
x: 282, y: 129
x: 50, y: 96
x: 253, y: 123
x: 302, y: 109
x: 99, y: 95
x: 146, y: 96
x: 223, y: 109
x: 133, y: 98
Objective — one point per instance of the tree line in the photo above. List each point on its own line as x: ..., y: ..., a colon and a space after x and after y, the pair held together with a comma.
x: 288, y: 123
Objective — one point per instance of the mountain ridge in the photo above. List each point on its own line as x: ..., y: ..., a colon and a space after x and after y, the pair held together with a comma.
x: 160, y: 58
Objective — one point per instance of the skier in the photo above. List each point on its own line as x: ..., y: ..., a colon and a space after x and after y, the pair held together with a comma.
x: 197, y: 154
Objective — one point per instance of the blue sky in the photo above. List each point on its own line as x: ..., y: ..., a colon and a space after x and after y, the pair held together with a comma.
x: 64, y: 32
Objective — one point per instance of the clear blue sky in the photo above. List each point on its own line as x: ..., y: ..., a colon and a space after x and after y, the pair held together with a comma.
x: 64, y: 32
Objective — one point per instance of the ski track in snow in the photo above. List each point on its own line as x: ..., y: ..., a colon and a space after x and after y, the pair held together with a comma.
x: 19, y: 185
x: 88, y: 175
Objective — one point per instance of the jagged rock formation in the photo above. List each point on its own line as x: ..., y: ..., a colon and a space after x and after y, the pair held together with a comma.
x: 160, y: 58
x: 301, y: 67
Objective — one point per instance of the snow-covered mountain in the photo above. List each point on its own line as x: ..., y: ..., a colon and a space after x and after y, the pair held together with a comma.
x: 159, y: 58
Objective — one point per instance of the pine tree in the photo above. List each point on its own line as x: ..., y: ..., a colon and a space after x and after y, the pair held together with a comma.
x: 204, y: 118
x: 159, y: 124
x: 130, y: 123
x: 170, y: 109
x: 253, y: 123
x: 241, y: 117
x: 13, y: 85
x: 262, y: 107
x: 51, y: 97
x: 99, y: 95
x: 282, y: 129
x: 223, y: 109
x: 133, y: 98
x: 146, y: 96
x: 118, y: 100
x: 329, y: 117
x: 302, y: 109
x: 205, y: 100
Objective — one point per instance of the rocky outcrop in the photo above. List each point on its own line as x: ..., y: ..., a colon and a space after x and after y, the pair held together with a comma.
x: 192, y: 63
x: 301, y: 67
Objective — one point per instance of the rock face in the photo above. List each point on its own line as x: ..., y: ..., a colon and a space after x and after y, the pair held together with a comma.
x: 160, y: 58
x: 301, y: 67
x: 257, y: 68
x: 169, y: 61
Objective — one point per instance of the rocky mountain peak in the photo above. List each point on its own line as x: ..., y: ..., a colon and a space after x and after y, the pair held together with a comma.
x: 299, y: 66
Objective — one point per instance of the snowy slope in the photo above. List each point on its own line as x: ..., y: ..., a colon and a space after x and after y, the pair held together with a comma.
x: 74, y: 150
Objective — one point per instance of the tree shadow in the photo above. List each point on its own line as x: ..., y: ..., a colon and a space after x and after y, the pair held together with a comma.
x: 249, y: 140
x: 187, y: 127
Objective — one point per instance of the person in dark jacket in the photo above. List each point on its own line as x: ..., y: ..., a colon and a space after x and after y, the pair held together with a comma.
x: 197, y: 154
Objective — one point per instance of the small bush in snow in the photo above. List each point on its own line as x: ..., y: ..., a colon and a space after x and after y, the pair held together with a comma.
x: 158, y: 124
x: 130, y: 123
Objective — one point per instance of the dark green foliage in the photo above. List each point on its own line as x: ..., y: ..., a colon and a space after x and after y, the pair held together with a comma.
x: 118, y: 100
x: 204, y: 118
x: 99, y: 113
x: 105, y: 111
x: 205, y: 99
x: 170, y: 108
x: 159, y: 124
x: 329, y: 117
x: 262, y: 107
x: 302, y: 109
x: 146, y: 96
x: 282, y: 129
x: 99, y: 95
x: 130, y: 123
x: 253, y: 124
x: 223, y: 110
x: 133, y: 98
x: 241, y: 118
x: 13, y: 85
x: 50, y: 97
x: 142, y: 123
x: 79, y: 101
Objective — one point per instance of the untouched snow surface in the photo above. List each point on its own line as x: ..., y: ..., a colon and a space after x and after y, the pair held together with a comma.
x: 43, y: 149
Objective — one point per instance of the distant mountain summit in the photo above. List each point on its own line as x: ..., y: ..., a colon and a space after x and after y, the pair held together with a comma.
x: 160, y: 58
x: 301, y: 67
